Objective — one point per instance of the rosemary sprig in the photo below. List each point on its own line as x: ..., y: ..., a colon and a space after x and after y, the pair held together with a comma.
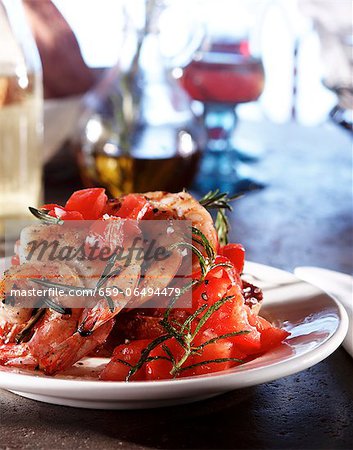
x: 212, y: 309
x: 185, y: 338
x: 169, y: 353
x: 221, y: 336
x: 181, y: 332
x: 145, y: 354
x: 64, y: 287
x: 220, y: 201
x: 56, y: 307
x: 204, y: 242
x: 202, y: 260
x: 190, y: 319
x: 21, y: 336
x: 106, y: 274
x: 210, y: 361
x: 222, y: 226
x: 42, y: 214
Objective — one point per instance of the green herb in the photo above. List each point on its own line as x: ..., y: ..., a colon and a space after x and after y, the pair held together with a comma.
x: 210, y: 361
x: 202, y: 260
x: 110, y: 303
x: 212, y: 309
x: 220, y: 201
x: 22, y: 335
x: 42, y: 214
x: 185, y: 338
x: 56, y: 307
x: 107, y: 272
x: 222, y: 336
x: 204, y: 242
x: 181, y: 332
x: 222, y: 227
x: 145, y: 354
x: 53, y: 284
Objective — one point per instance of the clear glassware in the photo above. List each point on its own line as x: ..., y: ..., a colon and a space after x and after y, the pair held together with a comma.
x: 223, y: 73
x: 141, y: 133
x: 21, y: 112
x: 333, y: 22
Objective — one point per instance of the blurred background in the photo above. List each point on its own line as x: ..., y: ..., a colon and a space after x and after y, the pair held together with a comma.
x: 236, y: 95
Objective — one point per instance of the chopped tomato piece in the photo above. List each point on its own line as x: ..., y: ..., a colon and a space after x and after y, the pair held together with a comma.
x: 159, y: 369
x: 130, y: 355
x: 67, y: 215
x: 236, y: 254
x: 221, y: 349
x: 89, y: 202
x: 210, y: 291
x: 50, y: 206
x: 271, y: 338
x: 133, y: 206
x: 232, y: 317
x: 110, y: 235
x: 61, y: 213
x: 257, y: 321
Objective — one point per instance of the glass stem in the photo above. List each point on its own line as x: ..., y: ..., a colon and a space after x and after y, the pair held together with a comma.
x: 220, y: 121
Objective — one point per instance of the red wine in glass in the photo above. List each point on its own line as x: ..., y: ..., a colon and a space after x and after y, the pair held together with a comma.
x: 224, y: 76
x: 221, y: 78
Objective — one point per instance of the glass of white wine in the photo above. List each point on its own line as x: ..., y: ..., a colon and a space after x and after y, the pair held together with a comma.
x: 21, y: 112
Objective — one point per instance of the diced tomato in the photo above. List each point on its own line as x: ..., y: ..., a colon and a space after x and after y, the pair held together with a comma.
x: 257, y: 321
x: 210, y: 291
x: 159, y: 369
x: 232, y: 317
x: 50, y: 206
x: 111, y: 234
x: 221, y: 349
x: 271, y: 338
x: 61, y: 213
x: 133, y: 206
x: 130, y: 354
x: 89, y: 202
x: 67, y: 215
x: 236, y: 254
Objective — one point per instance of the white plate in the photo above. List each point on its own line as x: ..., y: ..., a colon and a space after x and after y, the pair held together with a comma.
x: 317, y: 322
x: 339, y: 285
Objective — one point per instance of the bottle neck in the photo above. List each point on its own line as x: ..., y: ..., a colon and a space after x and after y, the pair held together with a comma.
x: 19, y: 52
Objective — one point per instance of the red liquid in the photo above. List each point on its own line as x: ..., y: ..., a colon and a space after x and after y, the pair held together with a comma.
x: 224, y: 76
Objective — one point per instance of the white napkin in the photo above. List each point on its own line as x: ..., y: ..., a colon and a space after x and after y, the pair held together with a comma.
x: 339, y: 285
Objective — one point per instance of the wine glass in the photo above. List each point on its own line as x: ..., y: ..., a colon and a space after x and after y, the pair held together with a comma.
x: 222, y: 74
x: 333, y: 22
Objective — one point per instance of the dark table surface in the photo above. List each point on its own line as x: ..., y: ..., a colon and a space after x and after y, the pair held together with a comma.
x: 303, y: 217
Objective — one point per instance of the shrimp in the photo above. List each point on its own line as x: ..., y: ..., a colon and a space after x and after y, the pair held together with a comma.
x: 55, y: 343
x: 73, y: 349
x: 160, y: 272
x: 182, y: 205
x: 17, y: 355
x: 42, y: 244
x: 176, y: 206
x: 13, y: 318
x: 120, y: 290
x: 57, y: 340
